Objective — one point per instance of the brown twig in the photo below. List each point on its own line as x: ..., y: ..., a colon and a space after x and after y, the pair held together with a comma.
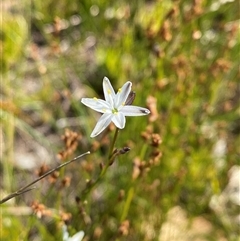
x: 28, y: 187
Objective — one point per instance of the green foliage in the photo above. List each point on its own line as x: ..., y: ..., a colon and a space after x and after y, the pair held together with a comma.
x: 183, y: 60
x: 14, y: 33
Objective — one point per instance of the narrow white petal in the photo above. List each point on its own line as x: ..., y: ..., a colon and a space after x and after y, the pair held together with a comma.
x: 97, y: 104
x: 131, y: 110
x: 108, y: 91
x: 77, y: 237
x: 122, y: 94
x: 102, y: 124
x: 65, y: 233
x: 119, y: 120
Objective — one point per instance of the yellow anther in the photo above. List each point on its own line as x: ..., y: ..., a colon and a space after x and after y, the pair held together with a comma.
x: 109, y: 91
x: 95, y: 98
x: 123, y: 103
x: 119, y: 90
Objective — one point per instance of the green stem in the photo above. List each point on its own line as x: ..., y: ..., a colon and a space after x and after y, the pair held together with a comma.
x: 131, y: 191
x: 113, y: 143
x: 104, y: 169
x: 110, y: 154
x: 127, y: 204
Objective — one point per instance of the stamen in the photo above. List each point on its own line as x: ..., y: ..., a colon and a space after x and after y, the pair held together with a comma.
x: 95, y: 98
x: 120, y: 90
x: 109, y: 91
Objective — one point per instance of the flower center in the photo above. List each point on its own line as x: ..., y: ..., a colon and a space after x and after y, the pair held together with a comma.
x: 114, y: 111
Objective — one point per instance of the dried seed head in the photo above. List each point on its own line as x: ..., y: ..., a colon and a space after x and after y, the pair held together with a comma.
x: 124, y: 150
x: 66, y: 217
x: 146, y: 135
x: 124, y: 228
x: 156, y: 140
x: 155, y: 157
x: 43, y: 169
x: 139, y: 167
x: 66, y: 182
x: 152, y: 106
x: 40, y: 210
x: 53, y: 177
x: 70, y: 139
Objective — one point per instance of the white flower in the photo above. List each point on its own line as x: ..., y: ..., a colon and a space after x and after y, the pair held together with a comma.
x: 76, y: 237
x: 114, y: 107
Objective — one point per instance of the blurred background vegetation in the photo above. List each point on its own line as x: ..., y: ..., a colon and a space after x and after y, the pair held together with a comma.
x: 180, y: 180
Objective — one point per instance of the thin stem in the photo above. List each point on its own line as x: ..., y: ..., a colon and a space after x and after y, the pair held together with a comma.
x: 131, y: 190
x: 28, y: 186
x: 127, y: 204
x: 110, y: 153
x: 113, y: 143
x: 111, y: 156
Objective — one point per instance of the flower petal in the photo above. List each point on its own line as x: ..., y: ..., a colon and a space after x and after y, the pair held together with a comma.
x: 119, y: 120
x: 65, y: 233
x: 97, y: 104
x: 108, y: 91
x: 122, y: 94
x: 102, y: 124
x: 77, y: 237
x: 131, y: 110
